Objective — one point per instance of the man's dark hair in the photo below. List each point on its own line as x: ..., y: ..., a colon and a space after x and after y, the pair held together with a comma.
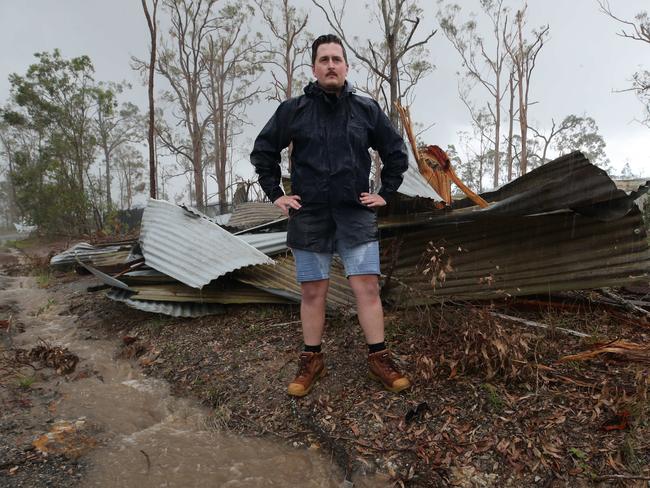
x: 326, y: 39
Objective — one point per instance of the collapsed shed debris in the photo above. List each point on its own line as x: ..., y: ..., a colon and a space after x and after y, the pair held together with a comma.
x: 563, y: 226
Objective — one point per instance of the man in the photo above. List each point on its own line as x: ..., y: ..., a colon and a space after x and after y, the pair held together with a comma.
x: 330, y: 209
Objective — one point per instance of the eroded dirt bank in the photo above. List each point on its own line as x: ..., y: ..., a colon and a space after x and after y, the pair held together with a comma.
x: 491, y: 404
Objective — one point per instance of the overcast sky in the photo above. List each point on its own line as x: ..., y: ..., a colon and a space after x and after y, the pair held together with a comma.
x: 578, y: 70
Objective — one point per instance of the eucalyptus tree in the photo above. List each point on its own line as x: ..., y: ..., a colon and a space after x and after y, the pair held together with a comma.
x: 151, y: 15
x: 233, y: 58
x: 116, y: 125
x: 399, y: 58
x: 181, y: 61
x: 130, y: 170
x: 523, y: 54
x: 583, y: 135
x: 485, y: 60
x: 285, y: 47
x: 637, y: 29
x: 56, y: 101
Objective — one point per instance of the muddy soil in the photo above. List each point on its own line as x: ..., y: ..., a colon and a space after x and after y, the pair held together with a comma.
x: 491, y: 403
x: 77, y: 410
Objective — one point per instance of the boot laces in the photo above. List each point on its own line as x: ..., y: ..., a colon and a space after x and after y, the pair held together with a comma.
x: 387, y: 364
x: 303, y: 365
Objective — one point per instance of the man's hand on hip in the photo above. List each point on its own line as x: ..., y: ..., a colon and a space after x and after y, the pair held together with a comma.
x: 287, y: 201
x: 372, y: 200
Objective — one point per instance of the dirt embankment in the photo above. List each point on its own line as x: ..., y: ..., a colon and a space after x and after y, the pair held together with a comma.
x: 491, y: 404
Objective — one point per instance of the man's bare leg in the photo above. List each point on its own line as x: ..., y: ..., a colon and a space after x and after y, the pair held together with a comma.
x: 312, y: 314
x: 312, y: 310
x: 371, y: 317
x: 369, y: 308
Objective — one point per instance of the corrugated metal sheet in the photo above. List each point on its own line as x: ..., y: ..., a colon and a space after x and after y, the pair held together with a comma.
x: 87, y: 253
x: 414, y: 184
x: 251, y: 214
x: 281, y: 280
x: 267, y: 242
x: 569, y: 182
x: 175, y: 309
x: 191, y: 249
x: 146, y: 276
x: 520, y: 255
x: 104, y: 278
x: 222, y: 219
x: 221, y: 291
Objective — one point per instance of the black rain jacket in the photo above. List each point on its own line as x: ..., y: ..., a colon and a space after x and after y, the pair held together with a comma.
x: 330, y: 164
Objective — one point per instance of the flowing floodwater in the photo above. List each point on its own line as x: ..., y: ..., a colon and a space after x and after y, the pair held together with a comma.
x: 145, y: 436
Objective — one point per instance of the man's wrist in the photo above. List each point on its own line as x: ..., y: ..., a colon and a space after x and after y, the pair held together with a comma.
x: 275, y: 194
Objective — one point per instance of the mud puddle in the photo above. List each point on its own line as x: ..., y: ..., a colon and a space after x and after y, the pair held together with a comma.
x: 131, y: 431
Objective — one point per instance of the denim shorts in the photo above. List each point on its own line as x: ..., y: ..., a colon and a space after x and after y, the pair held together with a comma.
x: 362, y: 259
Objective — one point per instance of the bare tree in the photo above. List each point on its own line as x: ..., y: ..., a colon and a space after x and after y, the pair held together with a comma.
x: 524, y: 55
x: 232, y: 57
x: 484, y: 62
x: 567, y: 124
x: 287, y: 45
x: 511, y: 121
x: 637, y: 30
x: 115, y: 126
x: 397, y: 59
x: 182, y: 63
x: 153, y: 32
x: 130, y: 171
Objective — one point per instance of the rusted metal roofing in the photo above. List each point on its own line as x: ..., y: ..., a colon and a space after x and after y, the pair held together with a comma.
x: 175, y: 309
x: 221, y: 291
x: 569, y: 182
x: 87, y: 253
x: 251, y: 214
x: 190, y: 248
x: 280, y: 279
x: 517, y: 256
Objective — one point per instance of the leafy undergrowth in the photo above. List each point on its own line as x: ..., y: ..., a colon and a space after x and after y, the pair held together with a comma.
x: 491, y: 404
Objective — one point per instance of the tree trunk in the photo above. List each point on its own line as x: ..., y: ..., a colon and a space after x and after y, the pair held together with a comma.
x: 151, y: 22
x: 107, y: 158
x: 511, y: 122
x: 497, y: 133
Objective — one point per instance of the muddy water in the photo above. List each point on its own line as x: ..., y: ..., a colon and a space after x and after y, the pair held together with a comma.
x: 147, y: 437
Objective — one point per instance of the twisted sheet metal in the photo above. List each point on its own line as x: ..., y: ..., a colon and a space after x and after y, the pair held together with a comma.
x: 267, y: 242
x: 222, y: 291
x: 175, y: 309
x: 105, y: 256
x: 517, y: 256
x: 414, y: 184
x: 280, y: 279
x: 251, y: 214
x: 190, y: 248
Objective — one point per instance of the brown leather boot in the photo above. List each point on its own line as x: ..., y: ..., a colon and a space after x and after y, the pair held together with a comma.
x: 383, y: 369
x: 310, y: 368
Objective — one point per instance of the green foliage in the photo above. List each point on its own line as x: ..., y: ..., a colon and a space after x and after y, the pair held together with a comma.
x: 54, y: 102
x: 43, y: 279
x: 495, y: 401
x: 25, y: 382
x: 582, y: 135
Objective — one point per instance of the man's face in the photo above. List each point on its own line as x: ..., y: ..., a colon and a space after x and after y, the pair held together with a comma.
x: 330, y: 68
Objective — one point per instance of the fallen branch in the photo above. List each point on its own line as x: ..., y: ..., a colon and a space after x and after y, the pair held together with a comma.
x: 626, y: 304
x: 630, y: 350
x: 606, y: 477
x: 539, y: 325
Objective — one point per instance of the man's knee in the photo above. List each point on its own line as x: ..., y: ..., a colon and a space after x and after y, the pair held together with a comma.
x: 314, y: 292
x: 365, y: 286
